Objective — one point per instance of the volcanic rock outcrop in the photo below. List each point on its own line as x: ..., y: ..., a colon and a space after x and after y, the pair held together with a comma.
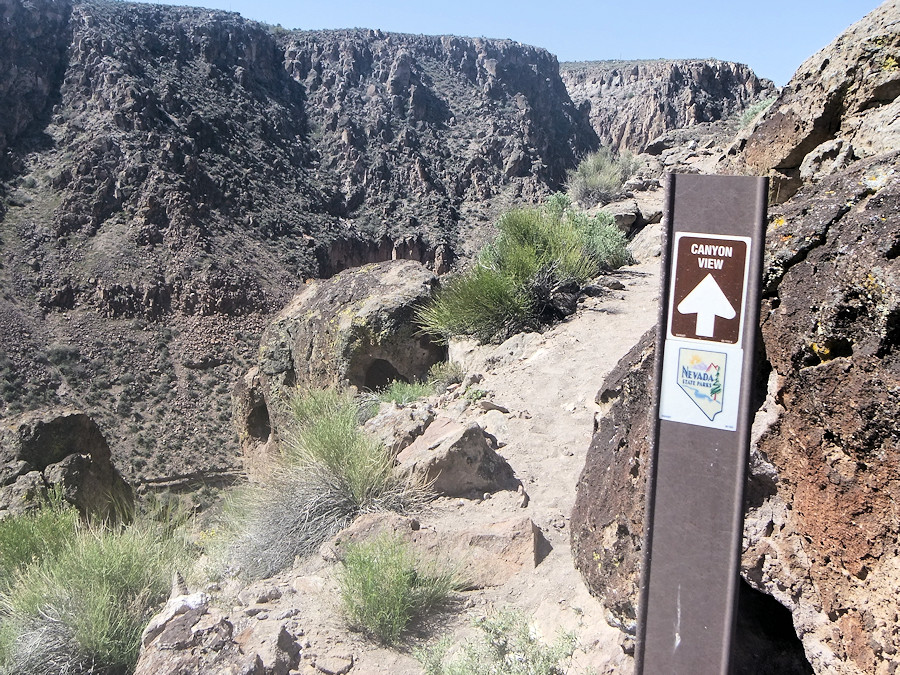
x: 355, y: 328
x: 840, y: 105
x: 64, y: 449
x: 631, y: 103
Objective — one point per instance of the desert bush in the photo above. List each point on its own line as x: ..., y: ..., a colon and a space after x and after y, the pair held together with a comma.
x: 384, y: 586
x: 81, y: 606
x: 506, y: 645
x: 512, y: 284
x: 329, y: 472
x: 755, y: 110
x: 599, y: 177
x: 27, y: 538
x: 482, y: 303
x: 401, y: 392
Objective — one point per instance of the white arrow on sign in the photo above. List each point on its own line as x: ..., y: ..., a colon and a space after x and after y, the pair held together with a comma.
x: 707, y: 301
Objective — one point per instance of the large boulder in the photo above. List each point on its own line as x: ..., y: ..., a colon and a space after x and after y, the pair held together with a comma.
x: 821, y: 526
x: 190, y: 636
x: 847, y: 91
x: 65, y: 448
x: 608, y: 518
x: 456, y: 459
x: 354, y: 329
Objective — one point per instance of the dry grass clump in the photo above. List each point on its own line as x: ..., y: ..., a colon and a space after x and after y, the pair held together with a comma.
x: 599, y: 177
x: 79, y: 603
x: 329, y: 472
x: 384, y: 586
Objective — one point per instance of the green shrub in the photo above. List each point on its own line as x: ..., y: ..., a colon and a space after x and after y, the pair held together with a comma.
x: 81, y: 607
x: 401, y: 392
x: 600, y: 176
x: 27, y: 538
x: 506, y: 645
x: 384, y: 586
x: 329, y: 472
x: 512, y: 284
x: 754, y: 110
x: 482, y: 303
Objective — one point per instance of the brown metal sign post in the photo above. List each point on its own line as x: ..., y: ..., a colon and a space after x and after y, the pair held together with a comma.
x: 704, y: 370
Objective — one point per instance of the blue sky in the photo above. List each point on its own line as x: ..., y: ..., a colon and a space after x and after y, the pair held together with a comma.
x: 771, y: 36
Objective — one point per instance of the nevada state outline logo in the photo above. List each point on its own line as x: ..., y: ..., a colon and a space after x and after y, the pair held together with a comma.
x: 701, y: 375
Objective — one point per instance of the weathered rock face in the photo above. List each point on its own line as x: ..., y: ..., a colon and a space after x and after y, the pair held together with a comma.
x: 633, y: 102
x: 31, y: 67
x: 826, y: 542
x: 821, y: 528
x: 171, y: 176
x: 64, y: 448
x: 840, y: 105
x: 355, y: 328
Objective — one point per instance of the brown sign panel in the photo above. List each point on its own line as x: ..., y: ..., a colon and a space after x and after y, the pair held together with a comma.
x: 708, y: 290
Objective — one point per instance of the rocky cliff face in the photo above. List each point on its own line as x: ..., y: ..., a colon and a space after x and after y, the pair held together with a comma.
x: 172, y: 175
x: 630, y: 103
x: 822, y: 526
x: 840, y: 105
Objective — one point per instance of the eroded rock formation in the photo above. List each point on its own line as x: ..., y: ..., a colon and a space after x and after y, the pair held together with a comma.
x: 840, y: 105
x: 354, y: 329
x: 631, y: 103
x: 63, y: 449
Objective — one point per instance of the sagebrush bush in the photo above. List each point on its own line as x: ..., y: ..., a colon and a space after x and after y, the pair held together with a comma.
x: 384, y: 586
x: 329, y: 472
x: 505, y: 645
x: 511, y: 287
x: 81, y: 607
x: 599, y: 177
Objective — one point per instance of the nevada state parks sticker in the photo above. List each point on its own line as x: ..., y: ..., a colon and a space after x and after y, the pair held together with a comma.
x: 701, y: 375
x: 701, y: 386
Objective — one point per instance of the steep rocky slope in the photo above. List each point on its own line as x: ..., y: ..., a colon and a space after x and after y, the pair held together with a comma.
x: 630, y: 103
x: 172, y: 175
x: 822, y: 526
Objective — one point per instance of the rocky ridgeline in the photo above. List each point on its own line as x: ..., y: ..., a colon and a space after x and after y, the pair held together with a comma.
x: 418, y: 129
x: 631, y: 103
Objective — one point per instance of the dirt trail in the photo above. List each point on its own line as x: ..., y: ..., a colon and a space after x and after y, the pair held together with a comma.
x: 548, y: 383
